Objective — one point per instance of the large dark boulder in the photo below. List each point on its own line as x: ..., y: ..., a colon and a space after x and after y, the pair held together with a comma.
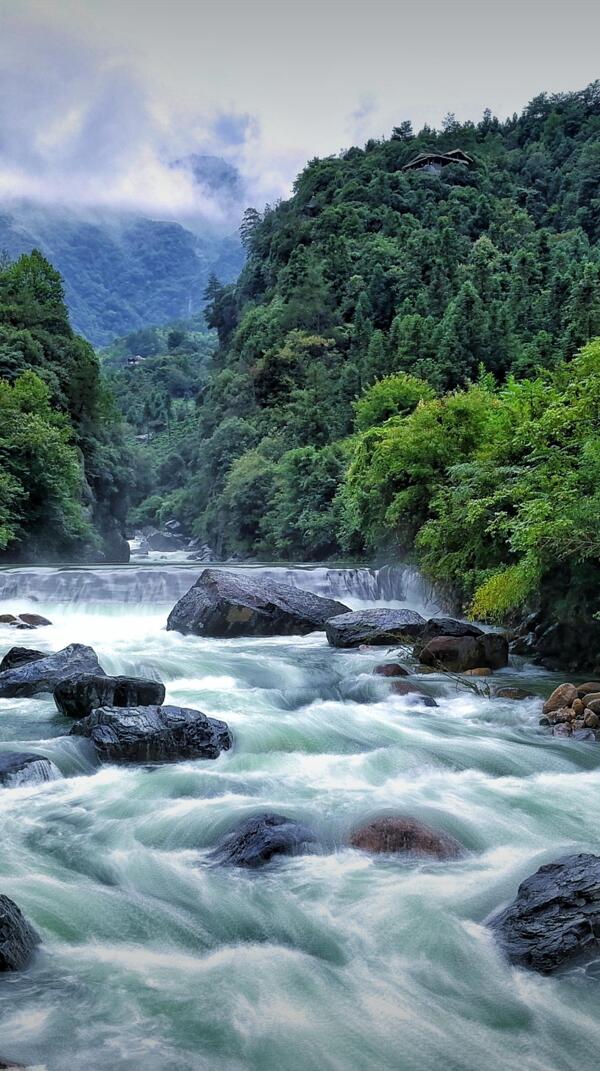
x: 460, y: 653
x: 376, y: 627
x: 222, y: 603
x: 257, y: 839
x: 165, y: 541
x: 18, y: 939
x: 153, y: 734
x: 24, y: 768
x: 406, y: 835
x: 20, y: 656
x: 76, y: 698
x: 555, y: 919
x: 44, y: 674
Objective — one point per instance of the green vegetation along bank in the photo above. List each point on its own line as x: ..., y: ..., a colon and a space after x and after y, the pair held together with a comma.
x: 397, y: 368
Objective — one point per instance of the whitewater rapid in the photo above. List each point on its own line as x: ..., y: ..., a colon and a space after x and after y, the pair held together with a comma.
x: 155, y: 960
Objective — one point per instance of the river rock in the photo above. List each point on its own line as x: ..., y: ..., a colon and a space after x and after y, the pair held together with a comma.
x: 222, y: 603
x: 33, y: 620
x: 44, y: 674
x: 257, y: 839
x: 373, y: 627
x: 7, y: 619
x: 588, y: 688
x: 7, y: 1065
x: 153, y: 734
x: 18, y: 939
x: 390, y: 669
x: 402, y: 833
x: 162, y: 541
x: 19, y: 656
x: 458, y: 653
x: 404, y: 688
x: 444, y: 626
x: 517, y: 694
x: 562, y: 696
x: 554, y: 920
x: 592, y: 700
x: 24, y: 768
x: 76, y: 698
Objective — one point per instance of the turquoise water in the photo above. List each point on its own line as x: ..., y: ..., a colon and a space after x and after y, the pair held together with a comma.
x: 155, y: 960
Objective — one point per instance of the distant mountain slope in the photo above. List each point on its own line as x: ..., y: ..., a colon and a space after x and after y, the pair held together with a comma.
x: 121, y: 272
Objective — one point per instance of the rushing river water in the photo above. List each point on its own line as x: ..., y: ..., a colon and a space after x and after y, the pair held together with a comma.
x: 155, y: 960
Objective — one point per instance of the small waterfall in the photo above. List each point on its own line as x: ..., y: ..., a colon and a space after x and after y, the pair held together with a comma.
x: 161, y: 584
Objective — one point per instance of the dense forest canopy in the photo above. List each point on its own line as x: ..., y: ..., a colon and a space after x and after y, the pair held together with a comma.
x: 391, y: 329
x: 64, y: 465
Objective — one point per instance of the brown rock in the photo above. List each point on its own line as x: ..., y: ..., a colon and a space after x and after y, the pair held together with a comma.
x: 34, y: 620
x: 479, y: 671
x: 591, y: 719
x: 578, y: 706
x: 517, y: 694
x: 7, y: 619
x: 587, y: 688
x: 590, y: 697
x: 403, y: 688
x: 404, y: 834
x: 564, y: 714
x: 459, y: 653
x: 390, y: 669
x: 562, y: 696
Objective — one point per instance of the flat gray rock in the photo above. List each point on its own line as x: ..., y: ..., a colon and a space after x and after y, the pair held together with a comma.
x: 222, y: 603
x: 44, y: 674
x: 153, y: 734
x: 376, y: 627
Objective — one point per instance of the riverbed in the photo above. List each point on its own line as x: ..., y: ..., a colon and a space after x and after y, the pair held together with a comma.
x: 155, y: 959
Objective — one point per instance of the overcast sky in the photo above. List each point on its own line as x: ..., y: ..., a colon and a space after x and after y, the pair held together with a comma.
x: 97, y: 96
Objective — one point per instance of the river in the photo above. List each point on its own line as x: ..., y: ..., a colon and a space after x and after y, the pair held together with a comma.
x: 155, y: 960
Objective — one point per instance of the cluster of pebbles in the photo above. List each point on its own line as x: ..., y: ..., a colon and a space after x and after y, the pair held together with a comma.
x: 574, y: 710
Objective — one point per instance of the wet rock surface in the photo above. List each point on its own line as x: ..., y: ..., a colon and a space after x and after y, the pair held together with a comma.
x: 459, y: 653
x: 153, y: 734
x: 44, y: 674
x: 374, y: 627
x: 412, y: 691
x: 76, y: 698
x: 258, y: 839
x: 24, y: 768
x: 222, y: 604
x: 390, y: 669
x: 20, y: 656
x: 554, y: 921
x: 401, y: 833
x: 18, y: 938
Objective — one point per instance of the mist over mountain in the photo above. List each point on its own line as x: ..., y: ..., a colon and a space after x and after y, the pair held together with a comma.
x: 121, y: 270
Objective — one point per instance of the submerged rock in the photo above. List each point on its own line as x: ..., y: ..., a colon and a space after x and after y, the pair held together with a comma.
x: 153, y: 734
x: 390, y: 669
x: 404, y: 834
x: 517, y: 694
x: 18, y: 938
x: 374, y: 627
x: 20, y: 656
x: 554, y: 920
x: 257, y: 839
x: 76, y: 698
x: 32, y: 621
x: 222, y: 603
x: 24, y: 768
x: 459, y: 653
x: 44, y: 674
x: 404, y: 688
x: 444, y: 626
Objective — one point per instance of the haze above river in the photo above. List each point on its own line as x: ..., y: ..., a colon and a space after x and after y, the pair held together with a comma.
x: 154, y: 958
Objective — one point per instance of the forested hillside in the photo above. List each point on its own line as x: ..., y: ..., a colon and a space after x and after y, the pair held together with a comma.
x: 473, y: 288
x: 121, y: 272
x: 64, y: 466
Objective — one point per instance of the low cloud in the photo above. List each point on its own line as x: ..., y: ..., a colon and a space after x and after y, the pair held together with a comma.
x: 78, y: 129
